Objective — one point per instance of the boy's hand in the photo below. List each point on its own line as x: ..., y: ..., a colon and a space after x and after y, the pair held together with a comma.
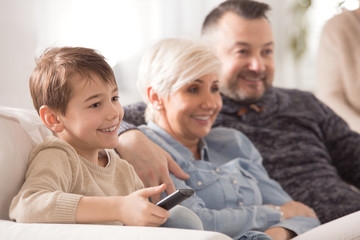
x: 136, y: 210
x: 151, y: 162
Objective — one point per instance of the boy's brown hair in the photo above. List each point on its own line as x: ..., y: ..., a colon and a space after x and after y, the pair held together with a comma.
x: 50, y: 81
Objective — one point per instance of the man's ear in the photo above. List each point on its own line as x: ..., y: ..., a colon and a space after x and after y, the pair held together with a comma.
x: 51, y: 119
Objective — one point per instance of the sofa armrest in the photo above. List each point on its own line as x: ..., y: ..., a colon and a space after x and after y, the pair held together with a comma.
x: 346, y: 227
x: 37, y: 231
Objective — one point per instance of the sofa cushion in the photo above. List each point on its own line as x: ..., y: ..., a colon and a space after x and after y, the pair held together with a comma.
x: 20, y: 131
x: 38, y: 231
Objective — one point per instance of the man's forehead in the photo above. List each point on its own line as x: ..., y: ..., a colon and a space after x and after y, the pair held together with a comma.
x: 245, y: 31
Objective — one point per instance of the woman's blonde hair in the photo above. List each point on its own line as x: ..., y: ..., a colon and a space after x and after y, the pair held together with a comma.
x: 170, y: 64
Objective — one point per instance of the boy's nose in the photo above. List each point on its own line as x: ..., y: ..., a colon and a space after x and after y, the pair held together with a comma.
x: 114, y: 111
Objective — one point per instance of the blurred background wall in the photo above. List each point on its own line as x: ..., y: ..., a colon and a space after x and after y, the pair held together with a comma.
x: 122, y: 29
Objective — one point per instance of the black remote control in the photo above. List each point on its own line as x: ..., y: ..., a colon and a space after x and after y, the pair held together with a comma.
x: 175, y: 198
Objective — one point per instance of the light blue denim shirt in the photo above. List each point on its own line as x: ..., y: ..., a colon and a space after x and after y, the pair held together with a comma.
x: 231, y: 185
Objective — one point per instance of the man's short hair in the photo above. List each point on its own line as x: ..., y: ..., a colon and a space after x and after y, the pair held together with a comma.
x: 56, y: 67
x: 247, y: 9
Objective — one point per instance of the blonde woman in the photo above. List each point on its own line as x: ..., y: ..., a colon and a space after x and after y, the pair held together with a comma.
x: 179, y: 82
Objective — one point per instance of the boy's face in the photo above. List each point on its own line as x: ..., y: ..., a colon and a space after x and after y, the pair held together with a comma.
x: 92, y: 117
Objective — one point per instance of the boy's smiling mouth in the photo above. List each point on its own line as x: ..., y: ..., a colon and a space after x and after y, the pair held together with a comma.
x: 111, y: 129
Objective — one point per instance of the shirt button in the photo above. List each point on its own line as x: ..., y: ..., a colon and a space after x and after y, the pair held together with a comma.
x: 234, y: 181
x: 199, y: 183
x: 217, y: 170
x: 240, y: 203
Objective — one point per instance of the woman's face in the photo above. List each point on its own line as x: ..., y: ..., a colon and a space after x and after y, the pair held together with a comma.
x: 189, y: 113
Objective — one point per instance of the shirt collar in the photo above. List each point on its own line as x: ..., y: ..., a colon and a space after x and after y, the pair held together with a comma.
x: 184, y: 151
x: 204, y: 152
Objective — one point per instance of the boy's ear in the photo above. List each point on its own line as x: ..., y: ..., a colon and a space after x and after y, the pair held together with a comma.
x: 51, y: 119
x: 154, y: 97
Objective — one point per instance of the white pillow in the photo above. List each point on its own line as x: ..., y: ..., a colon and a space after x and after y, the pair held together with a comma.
x: 20, y: 131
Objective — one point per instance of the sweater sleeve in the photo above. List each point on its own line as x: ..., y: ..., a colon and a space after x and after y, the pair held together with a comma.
x: 342, y: 145
x: 133, y: 116
x: 45, y: 196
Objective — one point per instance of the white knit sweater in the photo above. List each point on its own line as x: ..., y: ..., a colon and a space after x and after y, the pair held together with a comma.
x: 338, y: 66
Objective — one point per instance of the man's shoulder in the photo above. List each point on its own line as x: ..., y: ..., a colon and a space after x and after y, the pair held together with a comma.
x: 295, y: 96
x: 134, y: 113
x: 137, y: 105
x: 292, y: 92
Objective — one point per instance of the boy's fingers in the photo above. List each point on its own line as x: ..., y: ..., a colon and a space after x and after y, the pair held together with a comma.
x: 150, y: 191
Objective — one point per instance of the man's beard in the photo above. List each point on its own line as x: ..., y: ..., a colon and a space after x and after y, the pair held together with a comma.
x: 235, y: 92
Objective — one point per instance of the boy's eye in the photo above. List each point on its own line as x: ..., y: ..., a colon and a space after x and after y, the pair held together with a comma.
x: 116, y: 98
x: 95, y: 105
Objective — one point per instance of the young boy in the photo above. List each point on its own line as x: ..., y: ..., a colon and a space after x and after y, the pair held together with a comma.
x: 71, y: 177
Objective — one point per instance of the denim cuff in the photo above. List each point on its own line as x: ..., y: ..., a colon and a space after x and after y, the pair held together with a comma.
x: 298, y: 224
x: 272, y: 215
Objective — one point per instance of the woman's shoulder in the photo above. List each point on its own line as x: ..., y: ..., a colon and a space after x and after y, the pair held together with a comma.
x: 226, y: 138
x: 230, y: 143
x: 224, y: 133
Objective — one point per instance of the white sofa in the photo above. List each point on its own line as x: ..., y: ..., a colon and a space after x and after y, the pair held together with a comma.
x: 21, y: 130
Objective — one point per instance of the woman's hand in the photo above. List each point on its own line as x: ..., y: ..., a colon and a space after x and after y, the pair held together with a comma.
x: 278, y: 233
x: 293, y: 208
x: 151, y: 162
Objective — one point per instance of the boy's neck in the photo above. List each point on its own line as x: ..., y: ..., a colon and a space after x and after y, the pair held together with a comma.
x: 98, y: 157
x: 102, y: 158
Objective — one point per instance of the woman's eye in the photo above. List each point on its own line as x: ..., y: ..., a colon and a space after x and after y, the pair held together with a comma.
x: 116, y: 98
x: 193, y: 90
x: 242, y: 51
